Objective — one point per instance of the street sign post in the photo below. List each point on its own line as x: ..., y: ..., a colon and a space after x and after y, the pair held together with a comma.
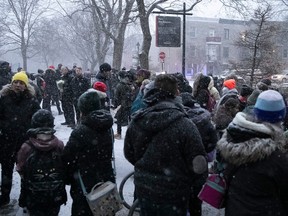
x: 162, y: 55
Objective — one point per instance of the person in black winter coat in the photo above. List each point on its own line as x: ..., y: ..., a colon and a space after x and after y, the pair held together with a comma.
x: 80, y: 84
x: 51, y: 91
x: 104, y: 75
x: 124, y: 96
x: 225, y: 114
x: 67, y: 97
x: 255, y: 152
x: 89, y: 150
x: 183, y: 83
x: 202, y: 119
x: 38, y: 93
x: 201, y: 92
x: 166, y: 150
x: 17, y: 105
x: 5, y: 73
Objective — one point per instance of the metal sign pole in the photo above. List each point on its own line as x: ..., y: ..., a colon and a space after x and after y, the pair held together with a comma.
x: 184, y: 39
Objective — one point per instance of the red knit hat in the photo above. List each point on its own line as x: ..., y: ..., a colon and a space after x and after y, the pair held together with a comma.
x: 100, y: 86
x: 51, y: 67
x: 230, y: 84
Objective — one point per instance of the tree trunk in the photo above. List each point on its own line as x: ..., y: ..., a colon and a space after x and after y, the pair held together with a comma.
x: 117, y: 53
x: 24, y: 59
x: 147, y: 38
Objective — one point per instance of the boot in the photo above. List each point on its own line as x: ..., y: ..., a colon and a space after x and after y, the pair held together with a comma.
x: 117, y: 136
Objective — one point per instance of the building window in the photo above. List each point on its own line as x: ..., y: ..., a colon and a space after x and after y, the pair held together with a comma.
x: 285, y: 53
x: 225, y: 52
x: 226, y: 34
x: 193, y: 32
x: 193, y: 50
x: 212, y: 52
x: 211, y: 32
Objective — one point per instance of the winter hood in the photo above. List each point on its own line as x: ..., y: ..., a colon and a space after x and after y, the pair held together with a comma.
x: 247, y: 141
x: 98, y: 120
x: 7, y: 89
x: 160, y: 116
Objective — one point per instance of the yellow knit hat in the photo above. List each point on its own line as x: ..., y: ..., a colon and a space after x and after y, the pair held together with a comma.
x: 21, y: 76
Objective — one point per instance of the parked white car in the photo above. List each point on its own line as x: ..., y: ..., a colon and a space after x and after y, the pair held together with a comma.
x: 280, y: 77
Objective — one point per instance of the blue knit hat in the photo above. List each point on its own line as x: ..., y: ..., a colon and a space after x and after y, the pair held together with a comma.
x: 270, y: 107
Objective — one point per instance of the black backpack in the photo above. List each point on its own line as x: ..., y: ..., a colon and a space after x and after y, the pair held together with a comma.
x: 44, y: 179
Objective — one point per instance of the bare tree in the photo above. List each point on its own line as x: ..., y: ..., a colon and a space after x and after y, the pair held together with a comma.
x: 114, y: 18
x: 258, y: 42
x: 47, y: 41
x: 144, y: 13
x: 18, y: 20
x: 110, y: 19
x: 84, y: 40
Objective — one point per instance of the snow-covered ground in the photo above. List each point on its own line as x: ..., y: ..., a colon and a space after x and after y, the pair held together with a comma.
x: 123, y: 167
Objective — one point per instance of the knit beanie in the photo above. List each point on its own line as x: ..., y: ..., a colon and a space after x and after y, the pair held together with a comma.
x: 42, y: 118
x: 100, y: 86
x: 262, y: 86
x: 230, y: 84
x: 22, y: 76
x: 105, y: 67
x: 246, y: 90
x: 266, y: 81
x: 88, y: 102
x: 270, y: 107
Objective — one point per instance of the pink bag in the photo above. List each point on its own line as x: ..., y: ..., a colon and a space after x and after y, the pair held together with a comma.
x: 213, y: 191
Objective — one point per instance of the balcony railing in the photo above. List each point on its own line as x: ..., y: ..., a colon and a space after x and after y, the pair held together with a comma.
x: 213, y: 39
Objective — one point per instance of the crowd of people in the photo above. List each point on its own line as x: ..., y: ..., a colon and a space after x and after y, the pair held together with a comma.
x: 173, y: 131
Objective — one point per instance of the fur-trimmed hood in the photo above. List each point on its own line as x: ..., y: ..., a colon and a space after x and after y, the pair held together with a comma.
x: 247, y: 141
x: 7, y: 89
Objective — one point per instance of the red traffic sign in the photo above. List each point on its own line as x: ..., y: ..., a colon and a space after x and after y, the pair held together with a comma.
x: 162, y: 55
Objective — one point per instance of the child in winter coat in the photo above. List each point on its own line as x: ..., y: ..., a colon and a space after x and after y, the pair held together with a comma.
x: 88, y: 152
x: 39, y: 165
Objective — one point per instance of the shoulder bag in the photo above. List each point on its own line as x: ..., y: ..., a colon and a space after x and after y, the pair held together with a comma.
x: 213, y: 191
x: 104, y: 198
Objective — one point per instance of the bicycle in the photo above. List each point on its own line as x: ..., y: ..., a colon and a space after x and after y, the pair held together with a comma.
x: 126, y: 191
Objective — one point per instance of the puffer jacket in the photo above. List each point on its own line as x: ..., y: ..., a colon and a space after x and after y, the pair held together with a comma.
x: 16, y: 111
x: 258, y: 154
x: 161, y: 142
